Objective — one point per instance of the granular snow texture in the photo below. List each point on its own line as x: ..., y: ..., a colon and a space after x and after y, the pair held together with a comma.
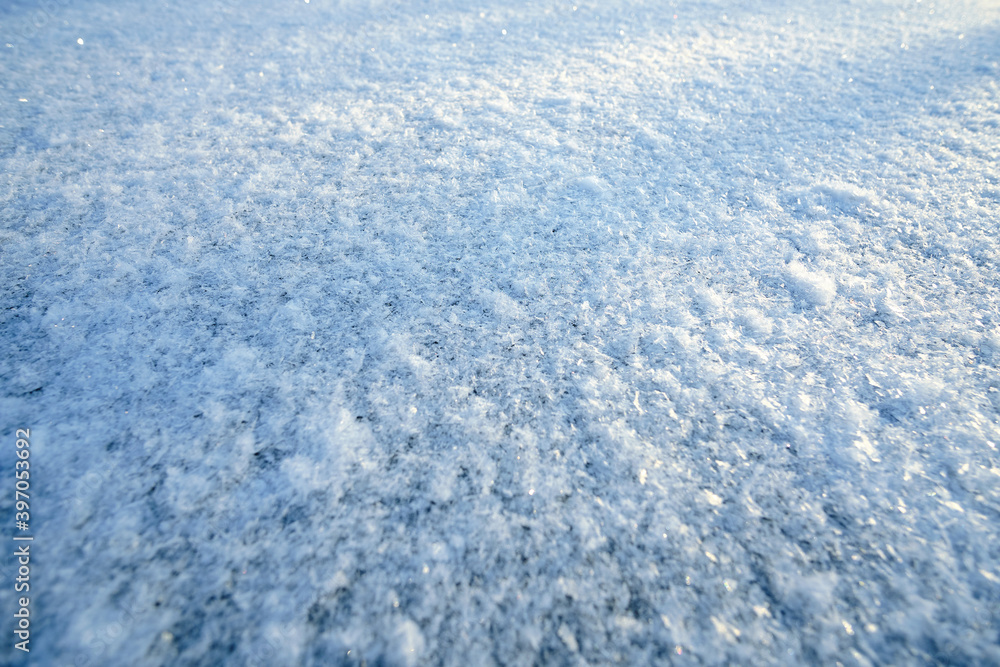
x: 503, y: 333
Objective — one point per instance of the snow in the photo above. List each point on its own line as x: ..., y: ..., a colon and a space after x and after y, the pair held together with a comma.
x: 362, y: 331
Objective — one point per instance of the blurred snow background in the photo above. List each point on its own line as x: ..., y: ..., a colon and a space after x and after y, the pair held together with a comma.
x: 510, y: 333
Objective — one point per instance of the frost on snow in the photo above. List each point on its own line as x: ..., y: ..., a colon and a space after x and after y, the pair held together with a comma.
x: 356, y: 331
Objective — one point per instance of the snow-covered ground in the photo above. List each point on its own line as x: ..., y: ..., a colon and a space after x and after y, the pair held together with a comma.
x: 505, y: 332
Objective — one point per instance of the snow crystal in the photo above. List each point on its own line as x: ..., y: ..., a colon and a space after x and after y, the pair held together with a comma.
x: 374, y: 332
x: 814, y: 287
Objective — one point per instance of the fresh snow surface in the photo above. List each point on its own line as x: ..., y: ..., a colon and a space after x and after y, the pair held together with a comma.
x: 503, y: 333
